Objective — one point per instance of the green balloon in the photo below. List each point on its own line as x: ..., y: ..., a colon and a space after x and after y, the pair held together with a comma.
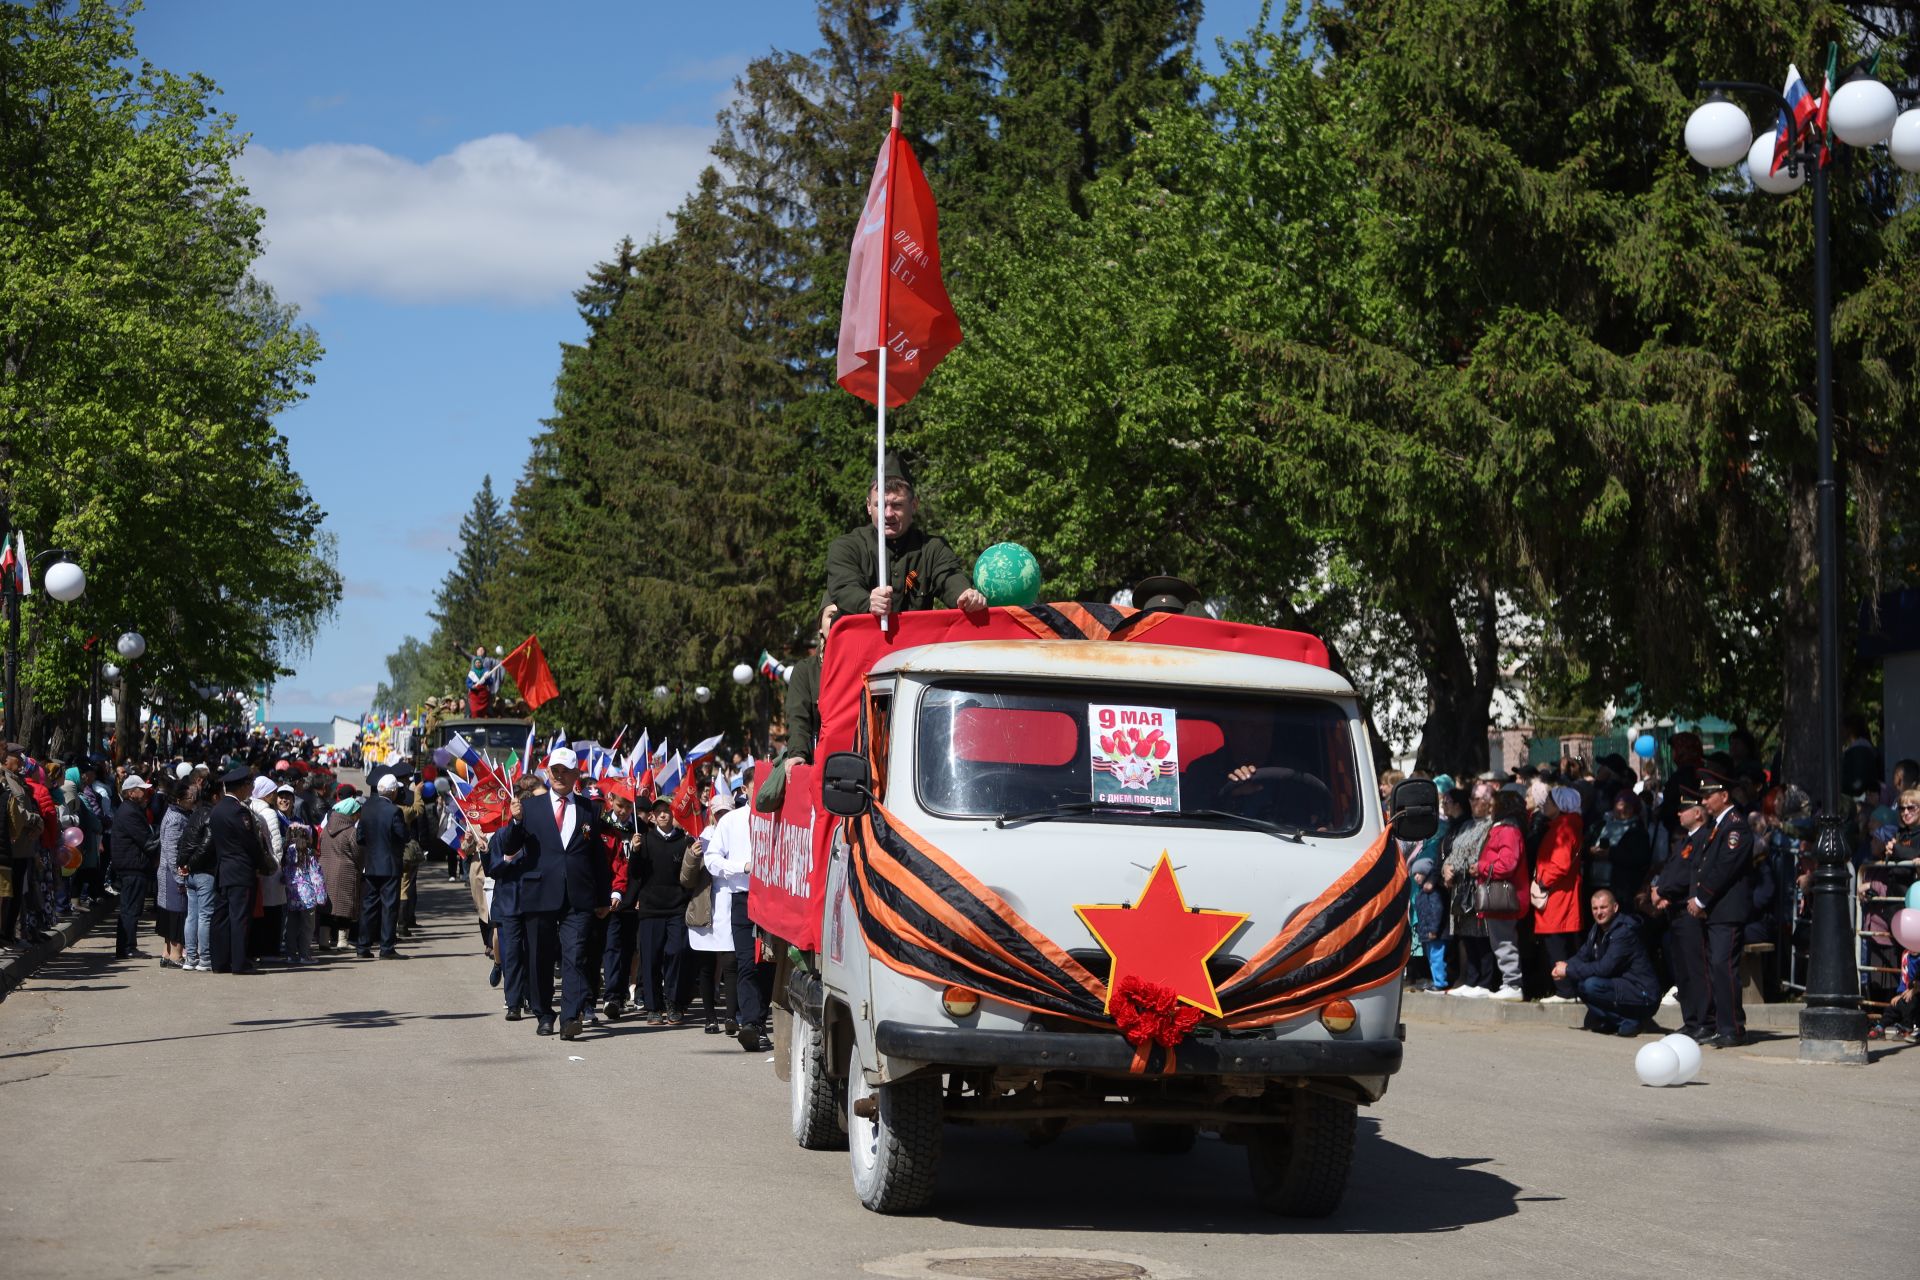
x: 1007, y: 573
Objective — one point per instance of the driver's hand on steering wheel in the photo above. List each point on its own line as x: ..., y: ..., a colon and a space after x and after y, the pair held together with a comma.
x: 1240, y: 775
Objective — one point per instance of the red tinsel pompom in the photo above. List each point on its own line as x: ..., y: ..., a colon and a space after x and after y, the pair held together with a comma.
x: 1149, y: 1013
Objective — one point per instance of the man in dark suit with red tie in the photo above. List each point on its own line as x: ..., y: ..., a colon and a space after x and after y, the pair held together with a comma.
x: 565, y: 882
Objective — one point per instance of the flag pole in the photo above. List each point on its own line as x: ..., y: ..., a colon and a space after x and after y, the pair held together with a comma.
x: 880, y: 401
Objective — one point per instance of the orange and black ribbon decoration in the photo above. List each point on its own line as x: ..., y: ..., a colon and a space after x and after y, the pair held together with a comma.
x: 924, y: 915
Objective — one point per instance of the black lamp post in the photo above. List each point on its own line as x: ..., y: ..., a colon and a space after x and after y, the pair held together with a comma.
x: 1863, y: 112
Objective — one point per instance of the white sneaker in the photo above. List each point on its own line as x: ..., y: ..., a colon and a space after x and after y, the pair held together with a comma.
x: 1671, y: 1000
x: 1506, y: 993
x: 1470, y: 993
x: 1558, y: 999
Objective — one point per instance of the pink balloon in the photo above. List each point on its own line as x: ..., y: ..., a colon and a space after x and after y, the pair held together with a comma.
x: 73, y: 837
x: 1906, y: 928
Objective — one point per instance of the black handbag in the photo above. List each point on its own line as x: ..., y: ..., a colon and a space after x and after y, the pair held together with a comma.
x: 1496, y: 900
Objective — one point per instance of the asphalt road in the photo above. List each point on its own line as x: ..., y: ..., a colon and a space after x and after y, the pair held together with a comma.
x: 380, y: 1118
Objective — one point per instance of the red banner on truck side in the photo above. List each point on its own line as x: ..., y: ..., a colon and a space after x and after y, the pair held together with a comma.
x: 790, y: 858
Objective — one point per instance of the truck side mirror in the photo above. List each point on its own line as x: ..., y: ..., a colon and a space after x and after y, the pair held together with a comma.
x: 1415, y: 809
x: 846, y: 784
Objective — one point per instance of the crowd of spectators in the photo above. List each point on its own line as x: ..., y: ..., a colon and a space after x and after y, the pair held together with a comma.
x: 1630, y: 891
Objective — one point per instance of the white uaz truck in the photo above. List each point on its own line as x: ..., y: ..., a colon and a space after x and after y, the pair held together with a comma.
x: 1083, y: 866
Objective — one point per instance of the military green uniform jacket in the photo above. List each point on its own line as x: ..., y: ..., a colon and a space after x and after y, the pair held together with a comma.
x: 803, y: 707
x: 919, y: 567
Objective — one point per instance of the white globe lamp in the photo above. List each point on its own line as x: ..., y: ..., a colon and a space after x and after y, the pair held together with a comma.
x: 702, y: 694
x: 110, y: 671
x: 1862, y: 112
x: 1903, y: 143
x: 132, y: 645
x: 1760, y: 159
x: 65, y: 582
x: 659, y: 693
x: 1718, y: 134
x: 743, y: 674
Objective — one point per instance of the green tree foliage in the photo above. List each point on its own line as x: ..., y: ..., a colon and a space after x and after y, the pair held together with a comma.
x: 413, y: 675
x: 141, y: 369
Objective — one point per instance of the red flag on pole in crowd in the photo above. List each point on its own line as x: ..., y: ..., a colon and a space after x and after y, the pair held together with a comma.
x: 895, y: 298
x: 687, y: 810
x: 528, y: 667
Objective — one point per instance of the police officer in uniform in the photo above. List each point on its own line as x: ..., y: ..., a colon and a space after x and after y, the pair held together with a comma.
x: 1684, y: 944
x: 1721, y: 900
x: 920, y: 567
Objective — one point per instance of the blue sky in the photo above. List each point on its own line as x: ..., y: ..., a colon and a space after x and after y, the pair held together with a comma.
x: 438, y: 177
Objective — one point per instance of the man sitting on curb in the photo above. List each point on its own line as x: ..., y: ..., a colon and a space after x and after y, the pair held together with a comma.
x: 1612, y: 972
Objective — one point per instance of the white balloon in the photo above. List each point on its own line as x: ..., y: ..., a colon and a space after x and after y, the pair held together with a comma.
x: 743, y: 674
x: 1862, y: 112
x: 1760, y: 159
x: 1904, y: 144
x: 1687, y: 1050
x: 1657, y: 1065
x: 1718, y: 134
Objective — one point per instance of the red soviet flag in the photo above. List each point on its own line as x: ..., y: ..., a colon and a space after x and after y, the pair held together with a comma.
x: 893, y: 282
x: 528, y: 667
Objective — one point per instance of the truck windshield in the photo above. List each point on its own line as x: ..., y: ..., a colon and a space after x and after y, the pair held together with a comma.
x: 1122, y: 753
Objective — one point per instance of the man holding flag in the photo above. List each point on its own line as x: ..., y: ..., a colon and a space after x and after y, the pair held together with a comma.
x: 896, y: 325
x: 921, y: 567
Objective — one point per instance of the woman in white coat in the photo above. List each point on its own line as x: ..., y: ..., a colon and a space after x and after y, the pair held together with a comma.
x: 267, y: 935
x: 712, y: 942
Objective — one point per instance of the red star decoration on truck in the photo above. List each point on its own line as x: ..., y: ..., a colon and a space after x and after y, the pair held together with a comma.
x: 1162, y: 940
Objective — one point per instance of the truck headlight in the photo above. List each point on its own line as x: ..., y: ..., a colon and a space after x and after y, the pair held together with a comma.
x: 959, y: 1001
x: 1337, y: 1016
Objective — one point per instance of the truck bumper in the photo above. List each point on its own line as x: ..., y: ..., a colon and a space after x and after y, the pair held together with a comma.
x: 1110, y: 1052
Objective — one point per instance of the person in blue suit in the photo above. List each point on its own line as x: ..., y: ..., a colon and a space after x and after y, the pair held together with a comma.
x: 565, y: 883
x: 383, y: 843
x: 509, y: 926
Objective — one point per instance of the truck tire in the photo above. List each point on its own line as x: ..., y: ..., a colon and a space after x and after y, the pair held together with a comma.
x: 1300, y: 1171
x: 896, y: 1153
x: 1164, y: 1139
x: 816, y: 1098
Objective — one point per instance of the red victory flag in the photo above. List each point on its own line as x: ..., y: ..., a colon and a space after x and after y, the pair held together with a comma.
x: 894, y: 293
x: 687, y: 811
x: 528, y: 667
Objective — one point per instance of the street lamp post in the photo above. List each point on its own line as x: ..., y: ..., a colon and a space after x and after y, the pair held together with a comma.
x: 1862, y: 113
x: 64, y: 582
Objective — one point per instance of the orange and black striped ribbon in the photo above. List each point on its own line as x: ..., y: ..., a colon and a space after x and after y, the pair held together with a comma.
x: 924, y: 915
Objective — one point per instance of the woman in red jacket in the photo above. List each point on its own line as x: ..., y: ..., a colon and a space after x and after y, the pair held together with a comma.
x: 1504, y: 858
x: 1556, y: 886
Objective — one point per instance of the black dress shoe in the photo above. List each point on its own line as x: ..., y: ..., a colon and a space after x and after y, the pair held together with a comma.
x: 1726, y: 1042
x: 570, y: 1029
x: 544, y: 1029
x: 730, y: 1027
x: 364, y: 955
x: 391, y: 955
x: 712, y: 1028
x: 514, y: 1015
x: 614, y: 1009
x: 753, y: 1039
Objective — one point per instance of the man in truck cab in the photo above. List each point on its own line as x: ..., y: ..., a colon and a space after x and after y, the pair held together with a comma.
x: 920, y: 567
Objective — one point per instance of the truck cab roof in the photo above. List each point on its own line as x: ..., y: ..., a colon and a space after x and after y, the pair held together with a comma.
x: 1078, y: 660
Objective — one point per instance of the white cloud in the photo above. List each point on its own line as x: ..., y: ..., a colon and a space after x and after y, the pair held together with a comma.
x: 501, y: 219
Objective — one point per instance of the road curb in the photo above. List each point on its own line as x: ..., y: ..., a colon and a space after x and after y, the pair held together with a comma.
x: 19, y: 968
x: 1425, y: 1006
